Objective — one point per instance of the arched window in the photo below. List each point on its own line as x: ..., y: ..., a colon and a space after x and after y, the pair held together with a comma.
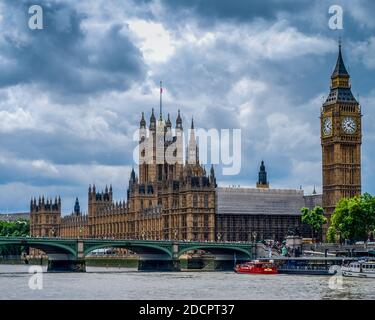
x: 195, y: 200
x: 206, y: 201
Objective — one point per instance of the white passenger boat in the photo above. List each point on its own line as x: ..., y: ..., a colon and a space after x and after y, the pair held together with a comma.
x: 361, y: 269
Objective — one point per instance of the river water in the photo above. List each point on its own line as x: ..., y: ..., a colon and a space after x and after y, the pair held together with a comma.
x: 116, y: 283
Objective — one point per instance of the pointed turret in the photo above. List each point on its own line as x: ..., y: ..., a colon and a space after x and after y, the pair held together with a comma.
x: 212, y: 176
x: 179, y: 121
x: 142, y: 123
x: 262, y: 180
x: 168, y: 123
x: 168, y: 130
x: 152, y: 120
x: 77, y: 208
x: 132, y: 175
x: 212, y: 171
x: 192, y: 152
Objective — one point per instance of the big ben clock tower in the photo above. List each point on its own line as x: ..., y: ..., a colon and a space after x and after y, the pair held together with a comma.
x: 341, y: 137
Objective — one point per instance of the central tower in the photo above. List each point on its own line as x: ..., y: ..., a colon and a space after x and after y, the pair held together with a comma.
x: 341, y: 137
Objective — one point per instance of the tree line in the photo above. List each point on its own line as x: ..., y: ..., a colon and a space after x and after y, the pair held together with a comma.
x: 352, y: 220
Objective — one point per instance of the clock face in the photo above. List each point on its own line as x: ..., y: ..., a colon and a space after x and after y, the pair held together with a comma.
x: 327, y: 126
x: 349, y: 125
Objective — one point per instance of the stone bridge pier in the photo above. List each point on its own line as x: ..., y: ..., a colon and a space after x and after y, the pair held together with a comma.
x: 160, y: 261
x: 61, y: 262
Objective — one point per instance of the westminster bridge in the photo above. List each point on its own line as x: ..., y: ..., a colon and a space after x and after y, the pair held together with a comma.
x: 68, y: 254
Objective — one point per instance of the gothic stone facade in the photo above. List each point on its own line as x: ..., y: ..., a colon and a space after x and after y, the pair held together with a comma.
x: 168, y: 200
x: 45, y: 217
x: 190, y: 208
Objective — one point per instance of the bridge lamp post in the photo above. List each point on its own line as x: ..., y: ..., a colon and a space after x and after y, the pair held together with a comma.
x: 175, y: 234
x: 219, y: 236
x: 255, y: 236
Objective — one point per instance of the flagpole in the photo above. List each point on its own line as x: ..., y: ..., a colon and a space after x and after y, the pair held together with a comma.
x: 161, y: 93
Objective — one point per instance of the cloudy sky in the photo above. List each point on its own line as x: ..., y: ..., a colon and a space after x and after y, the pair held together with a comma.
x: 71, y: 94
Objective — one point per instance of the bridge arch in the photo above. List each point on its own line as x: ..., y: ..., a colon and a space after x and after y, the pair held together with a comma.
x: 141, y: 248
x: 47, y: 247
x: 217, y: 250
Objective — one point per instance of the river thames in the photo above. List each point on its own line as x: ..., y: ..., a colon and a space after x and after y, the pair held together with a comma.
x: 116, y: 283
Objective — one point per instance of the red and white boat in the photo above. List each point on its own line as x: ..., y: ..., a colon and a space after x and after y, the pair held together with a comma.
x: 257, y: 267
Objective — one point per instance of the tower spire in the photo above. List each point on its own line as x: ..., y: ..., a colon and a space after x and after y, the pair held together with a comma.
x: 262, y: 180
x: 340, y: 91
x: 340, y: 69
x: 77, y: 208
x: 314, y: 191
x: 142, y: 123
x: 179, y: 120
x: 152, y: 120
x: 192, y: 154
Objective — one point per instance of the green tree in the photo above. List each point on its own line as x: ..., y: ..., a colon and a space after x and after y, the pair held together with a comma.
x: 314, y: 218
x: 353, y: 218
x: 19, y: 228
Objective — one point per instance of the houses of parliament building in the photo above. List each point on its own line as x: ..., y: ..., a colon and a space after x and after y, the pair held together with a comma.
x: 178, y: 200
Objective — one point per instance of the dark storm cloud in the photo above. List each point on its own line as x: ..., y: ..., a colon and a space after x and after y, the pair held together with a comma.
x: 63, y: 57
x: 240, y: 10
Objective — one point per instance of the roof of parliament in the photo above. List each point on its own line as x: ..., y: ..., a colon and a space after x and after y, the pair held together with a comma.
x: 259, y: 201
